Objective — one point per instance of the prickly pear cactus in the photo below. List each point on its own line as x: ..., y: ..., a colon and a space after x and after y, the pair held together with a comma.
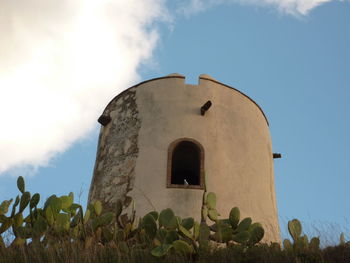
x: 300, y: 242
x: 61, y: 220
x: 294, y: 228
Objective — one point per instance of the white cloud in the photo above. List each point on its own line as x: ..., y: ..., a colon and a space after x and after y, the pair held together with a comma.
x: 292, y: 7
x: 60, y: 63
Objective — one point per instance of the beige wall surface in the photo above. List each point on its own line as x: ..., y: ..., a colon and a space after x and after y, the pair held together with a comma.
x: 237, y: 147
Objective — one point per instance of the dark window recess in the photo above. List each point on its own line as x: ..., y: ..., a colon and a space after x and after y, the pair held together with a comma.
x: 186, y: 164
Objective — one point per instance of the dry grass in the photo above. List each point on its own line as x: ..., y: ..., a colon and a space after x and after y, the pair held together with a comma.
x: 73, y: 253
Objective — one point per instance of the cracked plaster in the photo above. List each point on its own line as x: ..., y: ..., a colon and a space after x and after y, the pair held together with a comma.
x: 117, y: 153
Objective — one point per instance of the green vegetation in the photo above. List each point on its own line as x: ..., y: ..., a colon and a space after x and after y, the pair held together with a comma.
x: 61, y: 231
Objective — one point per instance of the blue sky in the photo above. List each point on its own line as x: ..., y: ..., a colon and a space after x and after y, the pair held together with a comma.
x: 292, y: 59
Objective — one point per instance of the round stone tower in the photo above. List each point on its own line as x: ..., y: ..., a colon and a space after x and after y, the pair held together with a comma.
x: 159, y: 137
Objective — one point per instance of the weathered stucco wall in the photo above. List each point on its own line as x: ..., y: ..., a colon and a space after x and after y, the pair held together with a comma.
x: 117, y: 152
x: 234, y: 134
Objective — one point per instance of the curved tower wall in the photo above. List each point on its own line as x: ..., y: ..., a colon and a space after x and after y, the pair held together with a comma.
x: 132, y: 156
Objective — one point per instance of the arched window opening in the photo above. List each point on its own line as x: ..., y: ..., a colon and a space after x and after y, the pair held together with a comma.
x: 185, y: 164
